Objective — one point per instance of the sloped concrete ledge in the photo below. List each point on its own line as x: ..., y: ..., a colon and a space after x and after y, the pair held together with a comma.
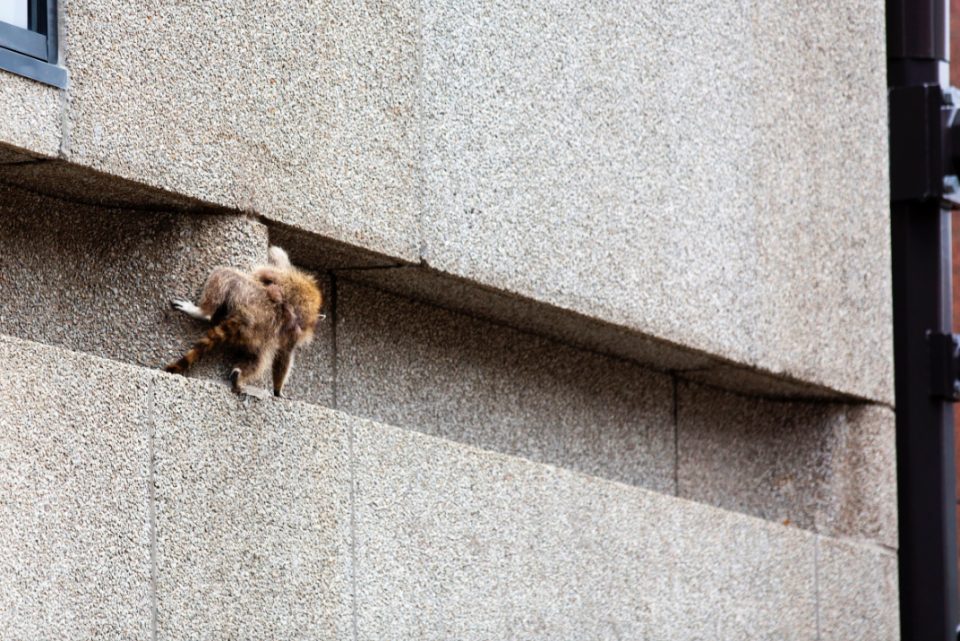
x: 286, y: 520
x: 80, y: 186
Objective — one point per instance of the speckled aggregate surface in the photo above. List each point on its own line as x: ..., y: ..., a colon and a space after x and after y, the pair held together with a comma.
x: 457, y: 543
x: 253, y: 516
x: 302, y: 112
x: 99, y: 281
x: 80, y: 185
x: 681, y: 170
x: 74, y: 508
x: 269, y: 516
x: 434, y: 371
x: 31, y: 115
x: 14, y: 155
x: 858, y: 592
x: 688, y: 170
x: 828, y: 468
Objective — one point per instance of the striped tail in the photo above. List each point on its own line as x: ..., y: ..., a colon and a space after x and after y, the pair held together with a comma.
x: 215, y: 337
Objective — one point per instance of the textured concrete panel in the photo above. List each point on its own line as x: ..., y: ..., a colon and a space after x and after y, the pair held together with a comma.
x: 76, y: 184
x: 303, y: 112
x: 12, y: 156
x: 684, y: 170
x: 31, y: 115
x: 74, y: 517
x: 434, y: 371
x: 252, y: 516
x: 830, y: 468
x: 100, y: 281
x: 474, y: 299
x: 858, y: 592
x: 456, y: 543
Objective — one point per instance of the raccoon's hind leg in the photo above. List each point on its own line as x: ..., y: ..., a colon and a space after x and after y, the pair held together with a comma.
x: 221, y: 282
x: 189, y: 309
x: 249, y: 368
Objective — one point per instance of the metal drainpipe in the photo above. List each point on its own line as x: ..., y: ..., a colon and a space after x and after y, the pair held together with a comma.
x: 924, y: 353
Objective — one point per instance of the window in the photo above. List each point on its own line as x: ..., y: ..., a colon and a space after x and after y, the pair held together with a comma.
x: 28, y: 40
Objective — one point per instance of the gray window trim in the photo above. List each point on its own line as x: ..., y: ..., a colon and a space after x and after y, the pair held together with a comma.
x: 32, y: 52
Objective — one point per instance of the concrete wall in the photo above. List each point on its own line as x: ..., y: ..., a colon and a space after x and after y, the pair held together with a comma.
x: 97, y: 280
x: 148, y: 504
x: 608, y: 348
x: 708, y: 176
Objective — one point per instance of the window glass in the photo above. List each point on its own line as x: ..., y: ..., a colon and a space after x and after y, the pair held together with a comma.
x: 14, y: 12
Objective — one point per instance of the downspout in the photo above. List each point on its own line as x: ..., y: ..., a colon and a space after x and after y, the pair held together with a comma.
x: 926, y: 354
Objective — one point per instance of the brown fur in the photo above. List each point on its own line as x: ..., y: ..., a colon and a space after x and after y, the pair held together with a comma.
x: 263, y: 316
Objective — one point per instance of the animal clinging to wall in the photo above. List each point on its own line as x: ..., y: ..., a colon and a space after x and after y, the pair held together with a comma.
x: 262, y: 316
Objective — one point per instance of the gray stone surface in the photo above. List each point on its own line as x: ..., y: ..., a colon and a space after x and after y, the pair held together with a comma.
x: 31, y: 115
x: 456, y: 543
x: 304, y: 113
x: 320, y: 253
x: 99, y: 281
x: 829, y: 468
x: 683, y: 172
x: 74, y: 520
x: 434, y: 371
x: 686, y: 170
x: 80, y: 185
x: 14, y: 155
x: 858, y: 592
x: 584, y: 331
x: 456, y: 294
x: 253, y: 516
x: 277, y: 519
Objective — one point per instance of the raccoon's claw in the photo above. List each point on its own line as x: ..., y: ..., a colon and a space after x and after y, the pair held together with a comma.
x: 188, y: 308
x: 235, y: 380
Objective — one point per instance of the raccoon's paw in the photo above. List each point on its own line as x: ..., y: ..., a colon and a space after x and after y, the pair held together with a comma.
x: 188, y: 308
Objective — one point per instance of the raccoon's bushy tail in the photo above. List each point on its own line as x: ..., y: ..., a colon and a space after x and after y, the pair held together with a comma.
x: 223, y: 333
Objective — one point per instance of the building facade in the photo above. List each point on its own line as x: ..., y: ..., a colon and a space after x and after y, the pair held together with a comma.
x: 608, y: 340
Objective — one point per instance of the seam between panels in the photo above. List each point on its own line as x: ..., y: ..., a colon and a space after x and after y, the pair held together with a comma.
x: 334, y: 356
x: 151, y: 492
x: 418, y: 114
x: 676, y: 435
x: 816, y: 582
x: 353, y: 531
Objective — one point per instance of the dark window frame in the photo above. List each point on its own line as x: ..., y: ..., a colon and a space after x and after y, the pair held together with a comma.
x: 33, y: 52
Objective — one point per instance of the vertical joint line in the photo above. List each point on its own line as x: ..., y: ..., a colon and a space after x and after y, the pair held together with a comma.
x: 353, y: 531
x: 334, y: 285
x: 816, y: 581
x: 151, y: 492
x: 676, y: 435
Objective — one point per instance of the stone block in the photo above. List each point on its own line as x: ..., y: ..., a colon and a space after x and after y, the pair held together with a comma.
x: 13, y: 156
x: 100, y: 280
x: 74, y: 498
x: 683, y: 171
x: 503, y: 308
x: 253, y: 516
x: 858, y: 592
x: 456, y: 543
x: 31, y: 115
x: 830, y: 468
x: 304, y: 113
x: 427, y: 369
x: 82, y: 186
